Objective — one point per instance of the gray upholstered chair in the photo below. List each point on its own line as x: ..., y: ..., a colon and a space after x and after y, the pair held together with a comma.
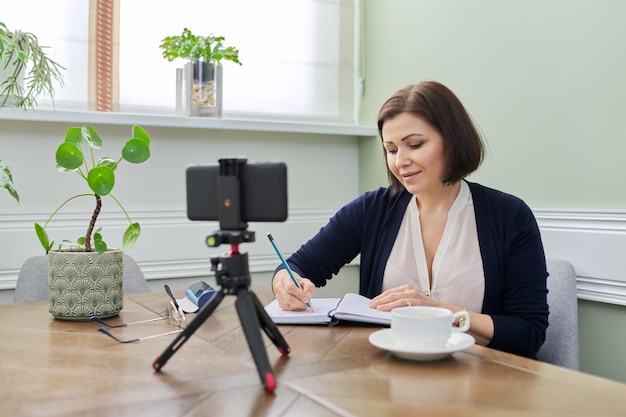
x: 32, y: 281
x: 561, y: 345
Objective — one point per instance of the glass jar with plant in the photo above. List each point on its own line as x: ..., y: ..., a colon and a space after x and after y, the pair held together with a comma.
x: 202, y: 81
x: 26, y: 71
x: 86, y: 280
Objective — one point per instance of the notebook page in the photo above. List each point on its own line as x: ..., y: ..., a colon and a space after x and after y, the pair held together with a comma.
x: 355, y: 307
x: 321, y: 307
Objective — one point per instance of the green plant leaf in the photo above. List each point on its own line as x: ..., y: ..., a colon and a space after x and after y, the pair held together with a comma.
x: 74, y: 135
x: 4, y: 169
x: 69, y: 157
x: 136, y: 151
x: 130, y: 236
x: 42, y: 235
x: 100, y: 246
x: 6, y: 180
x: 91, y: 137
x: 106, y: 162
x: 12, y: 191
x: 101, y: 180
x: 140, y: 133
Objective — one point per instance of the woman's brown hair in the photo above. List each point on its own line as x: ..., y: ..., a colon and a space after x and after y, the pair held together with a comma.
x: 440, y: 107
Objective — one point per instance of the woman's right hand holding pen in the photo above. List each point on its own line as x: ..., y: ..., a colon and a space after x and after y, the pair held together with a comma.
x: 289, y: 296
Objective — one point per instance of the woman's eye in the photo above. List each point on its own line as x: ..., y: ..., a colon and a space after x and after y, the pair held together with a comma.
x: 392, y: 151
x: 416, y: 145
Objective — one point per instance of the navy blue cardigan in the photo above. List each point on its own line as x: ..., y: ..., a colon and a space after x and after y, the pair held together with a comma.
x: 510, y: 245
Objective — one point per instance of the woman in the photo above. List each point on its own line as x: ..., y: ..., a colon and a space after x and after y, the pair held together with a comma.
x: 432, y: 238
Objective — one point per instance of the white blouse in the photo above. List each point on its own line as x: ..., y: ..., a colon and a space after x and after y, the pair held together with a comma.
x: 458, y: 276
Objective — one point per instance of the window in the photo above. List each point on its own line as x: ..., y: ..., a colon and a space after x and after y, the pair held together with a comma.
x: 297, y: 55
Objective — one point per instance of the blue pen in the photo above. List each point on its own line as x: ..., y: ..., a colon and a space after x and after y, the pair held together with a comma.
x: 286, y: 265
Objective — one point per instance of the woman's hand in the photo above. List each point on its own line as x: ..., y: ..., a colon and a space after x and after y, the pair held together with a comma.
x: 402, y: 296
x: 289, y: 296
x: 481, y: 325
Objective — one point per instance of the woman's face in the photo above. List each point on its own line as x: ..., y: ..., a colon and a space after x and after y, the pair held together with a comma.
x: 415, y: 152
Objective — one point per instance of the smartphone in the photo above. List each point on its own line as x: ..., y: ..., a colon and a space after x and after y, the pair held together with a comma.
x: 262, y: 191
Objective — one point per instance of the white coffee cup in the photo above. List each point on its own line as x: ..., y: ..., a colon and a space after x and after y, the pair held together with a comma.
x: 426, y: 327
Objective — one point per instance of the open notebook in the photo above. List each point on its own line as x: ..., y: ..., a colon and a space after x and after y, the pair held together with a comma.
x: 352, y: 307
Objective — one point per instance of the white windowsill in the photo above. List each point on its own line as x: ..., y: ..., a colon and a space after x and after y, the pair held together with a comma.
x: 82, y: 117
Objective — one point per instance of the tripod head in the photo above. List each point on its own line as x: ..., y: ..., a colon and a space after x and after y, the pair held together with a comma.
x: 229, y: 237
x: 231, y: 271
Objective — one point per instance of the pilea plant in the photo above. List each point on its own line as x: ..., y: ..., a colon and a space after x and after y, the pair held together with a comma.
x: 100, y: 177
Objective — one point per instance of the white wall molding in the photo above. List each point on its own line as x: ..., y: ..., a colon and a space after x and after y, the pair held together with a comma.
x: 172, y: 247
x: 594, y: 241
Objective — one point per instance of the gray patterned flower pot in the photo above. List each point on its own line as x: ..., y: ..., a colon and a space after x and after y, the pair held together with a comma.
x: 85, y: 284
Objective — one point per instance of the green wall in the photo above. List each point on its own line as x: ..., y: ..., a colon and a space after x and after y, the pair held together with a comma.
x: 544, y: 81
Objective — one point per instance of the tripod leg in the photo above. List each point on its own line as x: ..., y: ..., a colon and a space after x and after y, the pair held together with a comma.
x: 203, y: 314
x: 270, y: 328
x: 249, y: 318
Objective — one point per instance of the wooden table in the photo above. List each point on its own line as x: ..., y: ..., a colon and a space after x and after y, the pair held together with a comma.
x: 59, y: 368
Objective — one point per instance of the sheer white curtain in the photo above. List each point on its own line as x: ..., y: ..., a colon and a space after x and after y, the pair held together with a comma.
x: 297, y: 55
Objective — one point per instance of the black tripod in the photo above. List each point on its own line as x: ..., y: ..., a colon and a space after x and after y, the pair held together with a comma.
x: 233, y: 277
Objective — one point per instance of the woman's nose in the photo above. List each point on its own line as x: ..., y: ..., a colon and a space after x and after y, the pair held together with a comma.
x: 402, y: 159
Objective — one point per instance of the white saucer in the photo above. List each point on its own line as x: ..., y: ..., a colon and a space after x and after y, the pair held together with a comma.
x: 384, y: 339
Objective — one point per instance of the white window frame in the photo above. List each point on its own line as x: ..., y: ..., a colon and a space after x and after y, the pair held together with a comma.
x: 249, y: 92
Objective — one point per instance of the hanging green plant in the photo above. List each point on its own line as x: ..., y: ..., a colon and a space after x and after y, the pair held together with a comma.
x: 29, y: 71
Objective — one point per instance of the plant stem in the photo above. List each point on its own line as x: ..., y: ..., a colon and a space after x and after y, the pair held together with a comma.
x: 92, y: 223
x: 121, y: 207
x: 63, y: 204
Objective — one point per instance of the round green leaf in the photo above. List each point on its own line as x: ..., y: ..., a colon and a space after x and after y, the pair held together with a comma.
x: 140, y: 133
x: 101, y: 180
x: 74, y: 135
x: 106, y: 162
x: 100, y: 246
x: 136, y: 151
x: 130, y: 236
x: 69, y: 156
x: 91, y: 137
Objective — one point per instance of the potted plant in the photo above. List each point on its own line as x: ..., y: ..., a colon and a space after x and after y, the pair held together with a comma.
x: 203, y: 70
x: 26, y: 71
x: 86, y: 279
x: 6, y: 180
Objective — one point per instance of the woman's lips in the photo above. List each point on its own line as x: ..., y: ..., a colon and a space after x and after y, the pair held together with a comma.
x: 410, y: 175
